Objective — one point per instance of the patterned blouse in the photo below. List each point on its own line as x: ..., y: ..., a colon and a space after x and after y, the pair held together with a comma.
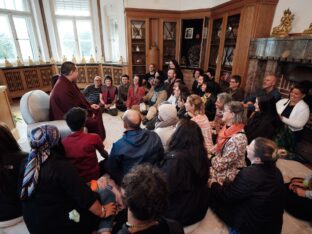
x: 226, y: 164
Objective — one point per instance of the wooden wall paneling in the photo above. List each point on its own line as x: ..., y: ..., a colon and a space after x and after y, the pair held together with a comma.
x: 46, y: 74
x: 161, y: 43
x: 92, y: 71
x: 14, y: 82
x: 82, y: 78
x: 31, y: 78
x: 240, y: 61
x: 117, y: 73
x: 262, y: 23
x: 107, y: 71
x: 147, y: 40
x: 209, y: 36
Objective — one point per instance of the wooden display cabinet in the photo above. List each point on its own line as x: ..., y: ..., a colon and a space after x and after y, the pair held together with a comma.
x: 169, y: 40
x: 138, y: 45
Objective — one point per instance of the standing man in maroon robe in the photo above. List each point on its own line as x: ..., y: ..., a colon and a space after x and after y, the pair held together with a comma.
x: 66, y: 95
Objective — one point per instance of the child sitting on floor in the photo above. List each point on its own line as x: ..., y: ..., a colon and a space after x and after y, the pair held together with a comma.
x: 80, y: 147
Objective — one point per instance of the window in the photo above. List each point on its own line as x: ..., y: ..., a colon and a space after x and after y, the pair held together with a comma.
x: 74, y: 26
x: 114, y: 39
x: 17, y: 36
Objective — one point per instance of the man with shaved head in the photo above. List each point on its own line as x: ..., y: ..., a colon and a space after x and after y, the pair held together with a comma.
x: 268, y: 88
x: 136, y: 146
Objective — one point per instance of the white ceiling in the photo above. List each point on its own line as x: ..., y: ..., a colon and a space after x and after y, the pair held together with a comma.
x: 179, y: 5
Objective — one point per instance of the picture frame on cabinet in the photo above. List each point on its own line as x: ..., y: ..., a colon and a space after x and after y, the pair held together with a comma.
x: 188, y: 33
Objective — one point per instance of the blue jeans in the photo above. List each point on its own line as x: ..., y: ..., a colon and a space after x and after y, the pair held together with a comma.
x: 107, y: 196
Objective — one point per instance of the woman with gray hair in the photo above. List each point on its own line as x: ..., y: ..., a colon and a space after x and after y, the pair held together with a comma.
x: 222, y: 99
x: 228, y: 156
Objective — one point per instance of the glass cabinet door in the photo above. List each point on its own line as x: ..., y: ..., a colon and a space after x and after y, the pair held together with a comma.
x: 169, y: 41
x: 138, y: 46
x: 215, y: 44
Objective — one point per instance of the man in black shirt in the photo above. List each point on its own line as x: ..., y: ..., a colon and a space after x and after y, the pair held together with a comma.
x: 92, y: 92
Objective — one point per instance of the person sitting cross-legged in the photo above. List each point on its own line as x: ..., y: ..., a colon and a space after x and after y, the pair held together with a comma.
x: 156, y: 95
x: 136, y: 146
x: 123, y: 93
x: 80, y: 147
x: 92, y: 92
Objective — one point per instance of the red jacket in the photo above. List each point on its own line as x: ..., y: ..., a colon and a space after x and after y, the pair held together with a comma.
x: 135, y: 98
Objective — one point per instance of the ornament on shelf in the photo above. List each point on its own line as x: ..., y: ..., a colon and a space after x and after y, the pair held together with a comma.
x: 7, y: 63
x: 19, y: 62
x: 91, y: 59
x: 83, y: 60
x: 30, y: 61
x: 64, y: 59
x: 74, y: 60
x: 52, y: 60
x: 137, y: 49
x: 41, y: 62
x: 308, y: 31
x: 120, y: 60
x: 284, y: 27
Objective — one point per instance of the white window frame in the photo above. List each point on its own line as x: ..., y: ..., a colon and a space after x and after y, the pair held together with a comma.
x: 74, y: 19
x: 118, y: 12
x: 33, y: 32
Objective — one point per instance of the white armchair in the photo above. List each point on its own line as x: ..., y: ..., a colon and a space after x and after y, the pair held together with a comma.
x: 35, y: 106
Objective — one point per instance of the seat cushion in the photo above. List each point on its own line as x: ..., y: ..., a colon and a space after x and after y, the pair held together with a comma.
x: 35, y: 106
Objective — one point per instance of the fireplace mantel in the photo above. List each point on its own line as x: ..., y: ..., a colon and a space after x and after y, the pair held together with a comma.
x: 291, y: 49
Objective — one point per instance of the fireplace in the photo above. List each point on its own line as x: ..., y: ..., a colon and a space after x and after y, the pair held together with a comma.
x: 291, y: 60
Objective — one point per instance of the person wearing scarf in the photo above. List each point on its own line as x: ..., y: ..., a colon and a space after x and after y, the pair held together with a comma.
x: 54, y: 197
x: 231, y: 145
x: 166, y: 122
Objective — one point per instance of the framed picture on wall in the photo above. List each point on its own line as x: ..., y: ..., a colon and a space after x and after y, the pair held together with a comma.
x: 188, y: 33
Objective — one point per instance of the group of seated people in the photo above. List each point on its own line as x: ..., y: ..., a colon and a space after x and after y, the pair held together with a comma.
x: 202, y: 154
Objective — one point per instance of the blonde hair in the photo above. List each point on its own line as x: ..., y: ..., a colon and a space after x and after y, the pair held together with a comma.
x: 198, y: 104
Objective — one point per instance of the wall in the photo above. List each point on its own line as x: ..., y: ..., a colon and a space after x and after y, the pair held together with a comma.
x: 302, y: 11
x: 178, y: 5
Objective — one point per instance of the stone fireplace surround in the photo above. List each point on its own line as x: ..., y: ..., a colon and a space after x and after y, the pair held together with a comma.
x: 265, y: 57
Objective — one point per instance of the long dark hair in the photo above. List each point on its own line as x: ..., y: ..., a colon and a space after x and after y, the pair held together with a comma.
x: 188, y: 137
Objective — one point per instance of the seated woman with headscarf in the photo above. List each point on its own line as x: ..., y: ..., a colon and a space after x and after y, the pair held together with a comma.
x: 55, y: 198
x: 166, y: 122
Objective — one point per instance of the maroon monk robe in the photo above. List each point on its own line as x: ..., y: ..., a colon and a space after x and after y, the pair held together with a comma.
x: 66, y: 95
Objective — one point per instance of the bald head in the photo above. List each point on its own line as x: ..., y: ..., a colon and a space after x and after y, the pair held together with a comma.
x: 269, y: 83
x: 132, y: 119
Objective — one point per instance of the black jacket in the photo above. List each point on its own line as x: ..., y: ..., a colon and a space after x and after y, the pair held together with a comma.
x: 10, y: 204
x: 188, y: 199
x: 253, y: 202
